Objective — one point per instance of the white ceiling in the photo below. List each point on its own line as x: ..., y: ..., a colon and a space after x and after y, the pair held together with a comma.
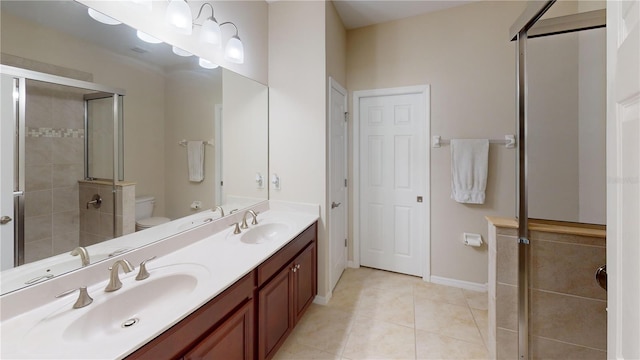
x: 359, y: 13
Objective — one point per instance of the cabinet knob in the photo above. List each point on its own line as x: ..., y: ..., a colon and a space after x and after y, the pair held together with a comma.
x: 298, y: 266
x: 294, y: 269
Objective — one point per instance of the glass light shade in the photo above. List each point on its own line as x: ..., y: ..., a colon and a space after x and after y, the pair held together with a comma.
x: 147, y: 38
x: 234, y: 51
x: 207, y: 64
x: 100, y: 17
x: 210, y: 32
x: 180, y: 52
x: 179, y: 16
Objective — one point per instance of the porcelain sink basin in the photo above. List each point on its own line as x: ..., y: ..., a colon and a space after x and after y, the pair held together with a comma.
x: 158, y: 299
x: 264, y: 233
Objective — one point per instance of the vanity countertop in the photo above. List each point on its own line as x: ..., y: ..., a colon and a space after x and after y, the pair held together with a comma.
x: 217, y: 260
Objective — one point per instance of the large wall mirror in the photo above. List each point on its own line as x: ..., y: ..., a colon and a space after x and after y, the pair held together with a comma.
x: 170, y: 105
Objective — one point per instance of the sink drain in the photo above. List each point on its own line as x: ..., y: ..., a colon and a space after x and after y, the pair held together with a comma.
x: 130, y: 322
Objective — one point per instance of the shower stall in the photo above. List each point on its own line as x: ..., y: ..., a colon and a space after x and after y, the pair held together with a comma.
x: 544, y: 298
x: 57, y: 133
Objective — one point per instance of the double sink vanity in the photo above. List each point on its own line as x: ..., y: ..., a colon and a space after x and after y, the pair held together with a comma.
x: 210, y: 293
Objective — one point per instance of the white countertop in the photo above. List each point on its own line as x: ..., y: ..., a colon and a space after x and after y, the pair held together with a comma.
x: 37, y: 325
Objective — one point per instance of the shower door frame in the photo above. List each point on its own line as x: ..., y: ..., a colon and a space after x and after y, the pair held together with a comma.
x: 527, y: 26
x: 22, y: 75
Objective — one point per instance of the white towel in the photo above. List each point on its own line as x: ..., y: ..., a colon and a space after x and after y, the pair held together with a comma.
x: 469, y: 167
x: 195, y: 156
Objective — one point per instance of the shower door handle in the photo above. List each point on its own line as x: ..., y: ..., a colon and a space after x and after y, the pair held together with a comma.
x: 5, y: 220
x: 601, y: 276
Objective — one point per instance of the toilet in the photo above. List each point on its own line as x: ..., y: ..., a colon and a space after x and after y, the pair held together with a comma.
x: 144, y: 210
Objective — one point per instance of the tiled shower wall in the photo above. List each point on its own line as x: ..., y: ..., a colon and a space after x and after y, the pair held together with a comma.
x: 96, y: 224
x: 567, y: 308
x: 53, y: 165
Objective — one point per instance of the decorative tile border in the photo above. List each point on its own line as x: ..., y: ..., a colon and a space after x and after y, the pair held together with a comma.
x: 55, y: 133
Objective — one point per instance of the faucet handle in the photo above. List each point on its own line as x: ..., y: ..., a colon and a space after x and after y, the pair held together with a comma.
x: 83, y: 298
x: 255, y: 218
x: 236, y: 230
x: 143, y: 273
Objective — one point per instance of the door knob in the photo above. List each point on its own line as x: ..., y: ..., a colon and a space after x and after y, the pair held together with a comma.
x: 601, y: 276
x: 334, y: 204
x: 5, y: 219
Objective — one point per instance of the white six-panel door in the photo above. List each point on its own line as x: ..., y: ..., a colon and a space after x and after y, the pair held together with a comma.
x: 623, y: 173
x: 392, y: 177
x: 337, y: 186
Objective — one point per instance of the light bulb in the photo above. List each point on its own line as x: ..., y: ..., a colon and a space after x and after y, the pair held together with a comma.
x: 207, y: 64
x: 210, y: 32
x: 180, y: 52
x: 100, y: 17
x: 179, y: 16
x: 234, y: 51
x: 147, y: 38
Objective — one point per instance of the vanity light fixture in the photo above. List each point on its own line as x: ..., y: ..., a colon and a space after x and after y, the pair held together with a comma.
x: 210, y: 29
x: 102, y: 18
x: 207, y: 64
x: 234, y: 51
x: 147, y: 38
x: 180, y: 52
x: 179, y: 16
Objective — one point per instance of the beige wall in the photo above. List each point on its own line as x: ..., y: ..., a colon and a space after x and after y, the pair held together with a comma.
x: 297, y: 110
x: 552, y: 110
x: 567, y: 176
x: 465, y: 55
x: 143, y: 103
x: 592, y: 127
x: 336, y: 39
x: 245, y: 137
x: 249, y: 16
x: 189, y: 120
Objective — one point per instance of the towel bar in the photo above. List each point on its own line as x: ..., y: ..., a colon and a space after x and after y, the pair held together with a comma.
x: 184, y: 142
x: 509, y: 141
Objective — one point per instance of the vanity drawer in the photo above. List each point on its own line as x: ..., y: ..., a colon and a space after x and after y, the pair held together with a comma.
x: 182, y: 337
x: 271, y: 266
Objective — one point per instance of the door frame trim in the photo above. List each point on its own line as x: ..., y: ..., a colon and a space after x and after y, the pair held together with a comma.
x: 425, y: 92
x: 333, y: 84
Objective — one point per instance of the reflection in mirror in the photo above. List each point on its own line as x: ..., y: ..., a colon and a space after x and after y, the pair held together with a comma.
x: 169, y: 99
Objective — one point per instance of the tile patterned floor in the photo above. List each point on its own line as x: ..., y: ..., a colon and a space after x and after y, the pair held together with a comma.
x: 377, y: 314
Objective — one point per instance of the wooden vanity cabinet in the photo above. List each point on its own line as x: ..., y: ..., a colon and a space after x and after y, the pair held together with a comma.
x: 223, y: 328
x: 283, y: 298
x: 228, y: 328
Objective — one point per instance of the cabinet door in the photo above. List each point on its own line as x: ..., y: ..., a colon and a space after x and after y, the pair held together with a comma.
x: 233, y: 340
x: 304, y: 280
x: 275, y: 313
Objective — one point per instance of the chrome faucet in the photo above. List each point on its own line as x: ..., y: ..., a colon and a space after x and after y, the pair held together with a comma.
x: 84, y: 255
x: 218, y: 207
x: 244, y: 219
x: 114, y: 279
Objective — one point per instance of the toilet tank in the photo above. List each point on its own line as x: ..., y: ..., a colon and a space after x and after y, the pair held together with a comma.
x: 144, y: 207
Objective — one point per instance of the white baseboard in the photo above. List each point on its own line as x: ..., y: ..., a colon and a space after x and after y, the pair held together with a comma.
x: 459, y: 283
x: 352, y: 264
x: 322, y: 300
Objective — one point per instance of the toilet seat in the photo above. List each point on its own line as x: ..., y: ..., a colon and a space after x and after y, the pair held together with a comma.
x: 150, y: 222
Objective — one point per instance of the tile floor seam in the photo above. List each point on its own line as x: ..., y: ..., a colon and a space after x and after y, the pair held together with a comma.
x: 357, y: 306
